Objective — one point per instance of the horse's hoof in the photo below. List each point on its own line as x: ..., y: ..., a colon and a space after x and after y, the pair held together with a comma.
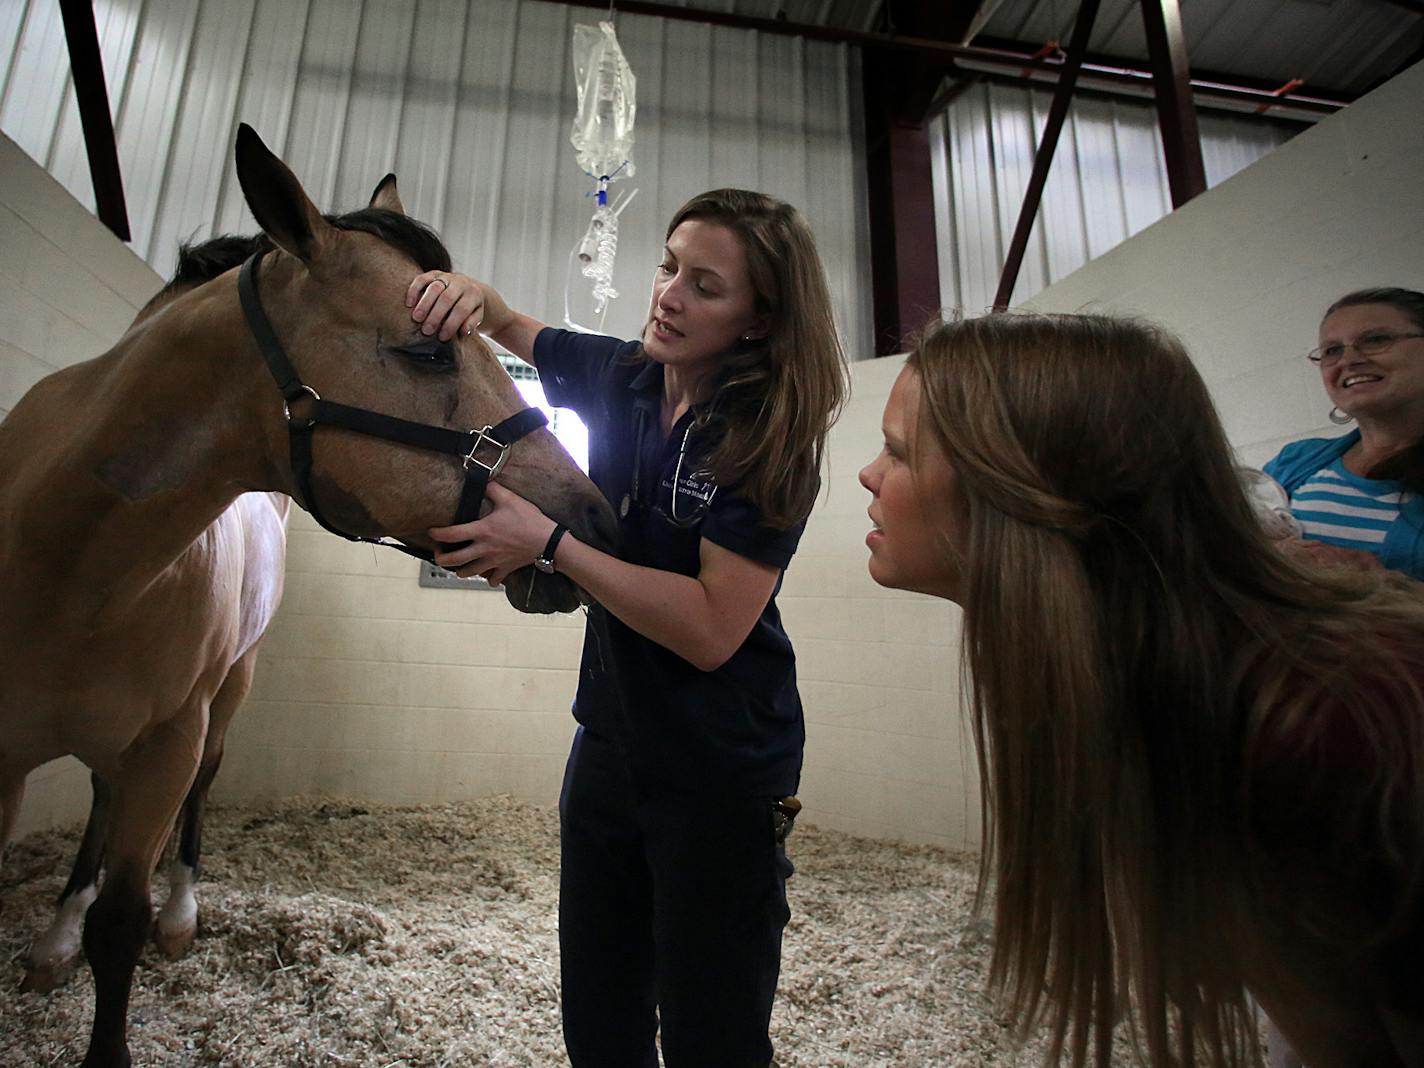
x: 121, y: 1059
x: 43, y: 978
x: 173, y: 942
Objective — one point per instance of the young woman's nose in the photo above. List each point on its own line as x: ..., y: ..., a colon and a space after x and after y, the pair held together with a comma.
x: 670, y: 295
x: 865, y: 476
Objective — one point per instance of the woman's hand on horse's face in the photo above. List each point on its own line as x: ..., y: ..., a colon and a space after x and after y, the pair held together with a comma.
x: 509, y: 536
x: 453, y: 304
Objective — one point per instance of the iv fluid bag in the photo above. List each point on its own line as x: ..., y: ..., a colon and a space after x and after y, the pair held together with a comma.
x: 607, y: 102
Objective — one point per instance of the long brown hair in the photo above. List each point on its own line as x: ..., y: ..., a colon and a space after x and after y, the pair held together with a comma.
x: 1136, y: 651
x: 777, y: 396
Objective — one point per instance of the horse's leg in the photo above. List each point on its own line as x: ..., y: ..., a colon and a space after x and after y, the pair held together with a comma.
x: 55, y: 953
x: 1327, y: 1025
x: 177, y: 924
x: 12, y: 792
x: 1278, y: 1051
x: 146, y: 797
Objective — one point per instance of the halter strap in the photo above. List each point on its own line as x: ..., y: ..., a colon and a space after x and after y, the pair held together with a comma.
x: 474, y: 447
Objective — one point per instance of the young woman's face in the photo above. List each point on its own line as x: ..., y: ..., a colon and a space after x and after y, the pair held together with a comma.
x: 917, y: 505
x: 703, y: 300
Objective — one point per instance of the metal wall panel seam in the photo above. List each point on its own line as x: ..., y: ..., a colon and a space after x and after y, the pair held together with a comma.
x: 227, y: 172
x: 323, y: 87
x: 40, y: 84
x: 152, y: 99
x: 13, y: 19
x: 202, y: 142
x: 946, y: 232
x: 495, y: 205
x: 379, y: 86
x: 277, y: 35
x: 425, y: 175
x: 175, y: 123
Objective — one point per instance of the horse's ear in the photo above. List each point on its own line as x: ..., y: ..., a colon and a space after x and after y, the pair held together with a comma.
x: 282, y: 207
x: 385, y: 195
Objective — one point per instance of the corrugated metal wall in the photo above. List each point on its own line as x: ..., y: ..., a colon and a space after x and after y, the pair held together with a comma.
x: 1108, y: 181
x: 470, y: 103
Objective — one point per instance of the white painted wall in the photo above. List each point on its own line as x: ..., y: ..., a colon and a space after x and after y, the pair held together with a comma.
x: 371, y: 686
x: 68, y: 290
x: 887, y: 755
x: 1244, y: 273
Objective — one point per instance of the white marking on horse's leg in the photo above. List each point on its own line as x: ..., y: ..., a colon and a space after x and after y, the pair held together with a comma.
x: 55, y: 953
x: 178, y: 921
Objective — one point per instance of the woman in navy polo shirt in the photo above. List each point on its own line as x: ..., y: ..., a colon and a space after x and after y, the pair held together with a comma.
x: 707, y: 435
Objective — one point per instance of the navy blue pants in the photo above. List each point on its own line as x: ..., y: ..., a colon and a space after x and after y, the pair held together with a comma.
x: 671, y: 908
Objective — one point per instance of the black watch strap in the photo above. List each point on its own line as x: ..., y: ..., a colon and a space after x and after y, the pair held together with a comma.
x: 545, y: 560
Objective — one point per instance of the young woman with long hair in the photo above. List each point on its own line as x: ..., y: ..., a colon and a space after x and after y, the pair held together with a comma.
x: 1202, y: 763
x: 707, y: 434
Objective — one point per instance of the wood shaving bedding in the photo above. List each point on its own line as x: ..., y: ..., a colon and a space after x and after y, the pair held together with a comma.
x: 336, y: 934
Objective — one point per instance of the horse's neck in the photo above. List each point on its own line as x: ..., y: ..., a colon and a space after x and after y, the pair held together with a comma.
x: 130, y: 457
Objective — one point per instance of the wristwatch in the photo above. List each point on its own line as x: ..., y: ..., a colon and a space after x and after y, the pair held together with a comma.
x: 545, y: 560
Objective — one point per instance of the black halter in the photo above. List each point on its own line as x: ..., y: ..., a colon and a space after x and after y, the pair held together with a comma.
x: 482, y: 452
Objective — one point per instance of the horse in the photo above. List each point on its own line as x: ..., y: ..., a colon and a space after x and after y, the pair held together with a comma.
x: 106, y: 651
x: 257, y: 521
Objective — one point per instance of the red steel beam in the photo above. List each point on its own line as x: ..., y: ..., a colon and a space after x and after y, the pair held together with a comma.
x: 87, y: 65
x: 1043, y: 158
x: 1115, y: 73
x: 1176, y: 114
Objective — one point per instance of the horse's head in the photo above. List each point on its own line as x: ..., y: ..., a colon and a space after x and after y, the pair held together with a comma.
x: 334, y: 292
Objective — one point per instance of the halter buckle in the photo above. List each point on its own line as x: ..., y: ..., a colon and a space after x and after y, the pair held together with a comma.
x: 484, y: 437
x: 287, y: 406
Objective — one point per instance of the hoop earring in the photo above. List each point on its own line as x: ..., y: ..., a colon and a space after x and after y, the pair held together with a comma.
x: 1339, y: 417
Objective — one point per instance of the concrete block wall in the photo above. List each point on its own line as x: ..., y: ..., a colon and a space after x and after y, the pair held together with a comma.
x: 372, y: 686
x: 68, y: 290
x: 888, y: 753
x: 1244, y: 272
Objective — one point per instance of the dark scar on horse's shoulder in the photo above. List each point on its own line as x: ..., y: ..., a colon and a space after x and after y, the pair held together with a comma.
x: 146, y: 469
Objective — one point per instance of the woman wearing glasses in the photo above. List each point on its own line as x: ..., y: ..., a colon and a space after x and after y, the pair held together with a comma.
x: 707, y: 435
x: 1360, y: 498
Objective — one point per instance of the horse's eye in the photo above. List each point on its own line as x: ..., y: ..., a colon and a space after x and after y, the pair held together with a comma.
x: 432, y: 355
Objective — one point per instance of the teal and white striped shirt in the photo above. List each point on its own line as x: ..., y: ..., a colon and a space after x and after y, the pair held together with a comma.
x: 1339, y: 507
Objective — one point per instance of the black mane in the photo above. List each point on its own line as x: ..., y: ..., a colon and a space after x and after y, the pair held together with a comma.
x: 415, y: 239
x: 204, y: 261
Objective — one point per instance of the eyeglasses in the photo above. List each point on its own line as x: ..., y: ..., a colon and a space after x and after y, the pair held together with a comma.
x: 1366, y: 345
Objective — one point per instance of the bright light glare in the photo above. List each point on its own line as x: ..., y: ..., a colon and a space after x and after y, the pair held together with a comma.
x: 567, y: 426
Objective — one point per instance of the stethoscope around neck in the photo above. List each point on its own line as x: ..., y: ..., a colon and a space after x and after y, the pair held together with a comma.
x: 634, y: 498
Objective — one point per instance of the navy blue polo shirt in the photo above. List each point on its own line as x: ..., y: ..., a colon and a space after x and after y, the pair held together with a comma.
x: 735, y: 730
